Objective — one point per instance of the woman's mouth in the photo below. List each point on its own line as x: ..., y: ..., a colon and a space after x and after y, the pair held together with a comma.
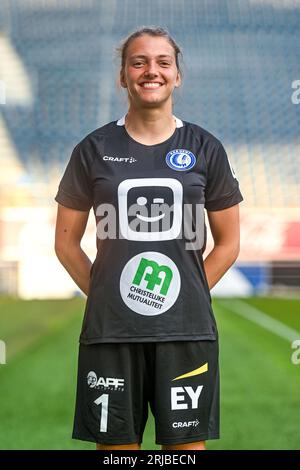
x: 151, y: 85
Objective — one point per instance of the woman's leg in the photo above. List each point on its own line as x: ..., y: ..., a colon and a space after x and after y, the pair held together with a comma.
x: 200, y: 445
x: 118, y: 447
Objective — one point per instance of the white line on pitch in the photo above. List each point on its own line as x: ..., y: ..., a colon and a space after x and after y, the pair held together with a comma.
x: 262, y: 319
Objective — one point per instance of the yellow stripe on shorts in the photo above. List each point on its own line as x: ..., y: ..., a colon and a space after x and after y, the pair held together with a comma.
x: 198, y: 371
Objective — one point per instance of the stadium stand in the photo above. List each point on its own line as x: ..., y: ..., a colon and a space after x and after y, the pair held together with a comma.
x: 240, y: 60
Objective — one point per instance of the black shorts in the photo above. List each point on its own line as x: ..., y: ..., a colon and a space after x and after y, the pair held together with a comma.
x: 180, y: 381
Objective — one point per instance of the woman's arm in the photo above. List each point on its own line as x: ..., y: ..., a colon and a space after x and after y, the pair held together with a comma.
x: 70, y: 227
x: 225, y: 229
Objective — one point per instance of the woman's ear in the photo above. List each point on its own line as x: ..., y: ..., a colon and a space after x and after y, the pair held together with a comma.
x: 122, y: 79
x: 178, y: 80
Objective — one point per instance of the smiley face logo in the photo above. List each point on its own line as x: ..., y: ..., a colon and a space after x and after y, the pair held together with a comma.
x: 142, y: 201
x: 150, y: 209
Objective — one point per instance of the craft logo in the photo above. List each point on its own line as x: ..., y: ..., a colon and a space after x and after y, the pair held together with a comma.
x: 180, y: 159
x: 150, y: 283
x: 185, y: 424
x: 119, y: 159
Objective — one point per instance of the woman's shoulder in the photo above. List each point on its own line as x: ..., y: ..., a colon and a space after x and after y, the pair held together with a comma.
x: 201, y: 134
x: 107, y: 130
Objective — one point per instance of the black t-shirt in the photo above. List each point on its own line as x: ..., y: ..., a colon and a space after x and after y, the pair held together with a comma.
x: 148, y: 281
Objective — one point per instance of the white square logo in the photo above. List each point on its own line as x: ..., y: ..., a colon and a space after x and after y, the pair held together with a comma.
x: 167, y: 207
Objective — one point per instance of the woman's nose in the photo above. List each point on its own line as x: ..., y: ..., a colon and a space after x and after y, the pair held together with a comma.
x: 151, y: 68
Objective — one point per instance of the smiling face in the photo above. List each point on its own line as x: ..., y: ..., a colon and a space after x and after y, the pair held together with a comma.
x: 150, y: 73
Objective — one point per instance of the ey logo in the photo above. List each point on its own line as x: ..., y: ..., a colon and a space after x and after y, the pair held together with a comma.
x: 187, y: 395
x: 153, y: 278
x: 183, y: 398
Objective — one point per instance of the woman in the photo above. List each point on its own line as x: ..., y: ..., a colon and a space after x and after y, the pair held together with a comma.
x: 149, y: 333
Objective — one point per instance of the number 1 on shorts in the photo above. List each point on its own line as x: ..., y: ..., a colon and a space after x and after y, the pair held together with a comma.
x: 103, y: 399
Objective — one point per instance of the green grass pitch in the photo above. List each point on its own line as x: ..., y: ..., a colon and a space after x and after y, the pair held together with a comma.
x: 260, y: 387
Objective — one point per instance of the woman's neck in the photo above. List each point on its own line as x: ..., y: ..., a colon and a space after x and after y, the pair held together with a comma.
x: 149, y: 126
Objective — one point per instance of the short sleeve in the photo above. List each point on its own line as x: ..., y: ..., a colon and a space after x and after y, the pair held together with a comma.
x: 222, y: 187
x: 75, y: 189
